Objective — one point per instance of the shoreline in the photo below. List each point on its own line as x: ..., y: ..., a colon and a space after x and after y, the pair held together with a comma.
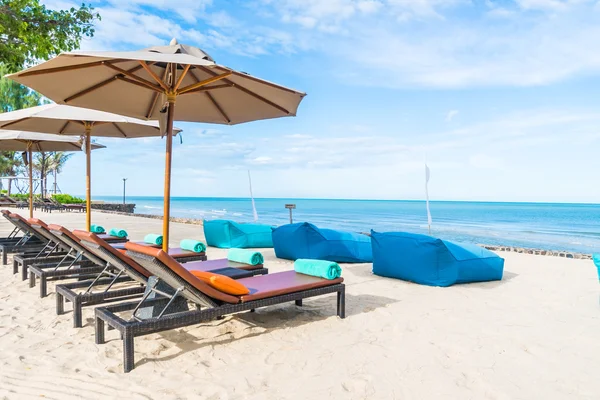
x: 503, y: 248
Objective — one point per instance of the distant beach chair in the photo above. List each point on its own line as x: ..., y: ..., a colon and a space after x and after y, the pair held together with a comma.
x: 53, y: 252
x: 265, y: 290
x: 29, y: 242
x: 120, y: 268
x: 430, y: 261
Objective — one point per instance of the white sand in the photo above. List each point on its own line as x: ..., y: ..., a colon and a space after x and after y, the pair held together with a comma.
x: 535, y: 335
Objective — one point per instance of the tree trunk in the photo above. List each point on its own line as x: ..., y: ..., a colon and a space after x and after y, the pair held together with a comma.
x: 9, y: 187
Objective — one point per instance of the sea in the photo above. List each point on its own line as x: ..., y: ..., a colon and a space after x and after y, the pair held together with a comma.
x: 548, y: 226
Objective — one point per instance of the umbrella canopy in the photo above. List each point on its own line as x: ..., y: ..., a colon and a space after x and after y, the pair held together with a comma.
x: 63, y: 119
x: 68, y: 120
x: 129, y: 83
x: 148, y: 83
x: 39, y: 142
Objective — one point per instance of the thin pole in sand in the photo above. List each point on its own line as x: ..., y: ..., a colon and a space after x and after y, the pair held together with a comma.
x: 290, y: 207
x: 124, y: 180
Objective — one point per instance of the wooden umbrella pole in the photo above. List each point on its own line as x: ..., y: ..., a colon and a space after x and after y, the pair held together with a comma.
x: 29, y: 156
x: 167, y: 199
x: 88, y: 177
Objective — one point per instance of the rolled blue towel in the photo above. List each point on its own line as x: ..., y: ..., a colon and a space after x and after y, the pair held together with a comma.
x: 192, y: 245
x: 596, y: 258
x: 97, y: 229
x: 153, y: 238
x: 120, y: 233
x: 320, y: 268
x: 245, y: 256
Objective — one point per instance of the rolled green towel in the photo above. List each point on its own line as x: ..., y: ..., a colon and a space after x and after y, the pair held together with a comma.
x: 192, y: 245
x: 153, y: 238
x: 97, y: 229
x: 245, y: 256
x: 320, y: 268
x: 120, y: 233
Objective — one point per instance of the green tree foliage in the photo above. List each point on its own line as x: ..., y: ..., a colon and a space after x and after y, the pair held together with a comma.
x: 30, y: 32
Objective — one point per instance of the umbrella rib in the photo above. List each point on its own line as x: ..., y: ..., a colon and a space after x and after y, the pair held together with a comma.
x: 247, y: 91
x: 61, y: 131
x: 14, y: 122
x: 98, y: 85
x: 134, y: 82
x: 60, y: 69
x: 153, y: 75
x: 240, y: 74
x: 183, y: 74
x: 133, y: 77
x: 203, y: 83
x: 155, y: 98
x: 119, y: 129
x: 218, y: 107
x: 206, y: 89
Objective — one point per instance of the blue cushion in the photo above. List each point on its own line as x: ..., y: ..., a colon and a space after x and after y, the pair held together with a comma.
x: 430, y: 261
x: 304, y: 240
x: 229, y: 234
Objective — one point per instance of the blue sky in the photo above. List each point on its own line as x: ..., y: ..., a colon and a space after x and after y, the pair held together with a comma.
x: 500, y: 97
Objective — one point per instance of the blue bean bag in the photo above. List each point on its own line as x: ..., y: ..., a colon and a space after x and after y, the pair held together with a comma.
x: 304, y: 240
x: 228, y: 234
x: 430, y: 261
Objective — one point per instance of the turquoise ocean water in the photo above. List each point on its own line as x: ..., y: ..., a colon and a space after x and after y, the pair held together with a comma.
x: 571, y: 227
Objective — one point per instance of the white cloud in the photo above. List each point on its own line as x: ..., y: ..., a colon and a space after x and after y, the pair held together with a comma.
x: 450, y: 115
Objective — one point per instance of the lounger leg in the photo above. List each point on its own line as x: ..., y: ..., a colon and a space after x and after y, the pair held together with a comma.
x: 341, y: 303
x: 4, y: 257
x: 77, y: 319
x: 99, y: 331
x: 31, y: 280
x: 24, y: 269
x: 60, y: 304
x: 128, y: 351
x: 299, y: 303
x: 15, y: 267
x: 43, y: 286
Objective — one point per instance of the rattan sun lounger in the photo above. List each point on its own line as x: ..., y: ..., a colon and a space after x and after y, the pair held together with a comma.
x: 29, y: 242
x: 54, y: 251
x: 82, y: 264
x: 120, y: 269
x: 265, y: 290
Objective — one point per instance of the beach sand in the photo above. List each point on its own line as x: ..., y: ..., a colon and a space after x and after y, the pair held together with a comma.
x: 534, y: 335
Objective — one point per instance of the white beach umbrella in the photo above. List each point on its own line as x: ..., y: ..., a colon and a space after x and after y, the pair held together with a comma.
x: 31, y: 142
x: 69, y: 120
x: 148, y: 83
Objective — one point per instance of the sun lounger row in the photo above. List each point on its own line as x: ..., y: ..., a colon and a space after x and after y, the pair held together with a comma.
x: 142, y: 289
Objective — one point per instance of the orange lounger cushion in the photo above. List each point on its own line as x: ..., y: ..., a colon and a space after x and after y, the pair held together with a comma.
x: 222, y: 283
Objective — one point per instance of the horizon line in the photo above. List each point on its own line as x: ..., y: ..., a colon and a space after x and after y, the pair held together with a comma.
x: 358, y: 199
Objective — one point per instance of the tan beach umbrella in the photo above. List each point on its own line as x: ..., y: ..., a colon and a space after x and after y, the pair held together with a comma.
x: 148, y: 83
x: 39, y: 142
x: 63, y: 119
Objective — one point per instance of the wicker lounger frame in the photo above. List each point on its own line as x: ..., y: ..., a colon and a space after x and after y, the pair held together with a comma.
x: 133, y: 327
x: 79, y: 269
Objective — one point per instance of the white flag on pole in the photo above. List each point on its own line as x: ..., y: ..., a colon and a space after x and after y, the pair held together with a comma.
x: 427, y: 175
x: 252, y: 197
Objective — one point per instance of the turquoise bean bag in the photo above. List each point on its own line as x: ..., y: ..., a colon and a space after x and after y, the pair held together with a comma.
x: 429, y: 261
x: 227, y: 234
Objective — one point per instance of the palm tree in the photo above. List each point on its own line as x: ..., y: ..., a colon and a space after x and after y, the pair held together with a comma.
x: 57, y: 163
x: 10, y: 163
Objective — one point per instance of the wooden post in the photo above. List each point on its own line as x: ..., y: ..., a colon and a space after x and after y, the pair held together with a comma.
x: 171, y: 97
x: 88, y: 177
x: 167, y: 200
x: 29, y: 155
